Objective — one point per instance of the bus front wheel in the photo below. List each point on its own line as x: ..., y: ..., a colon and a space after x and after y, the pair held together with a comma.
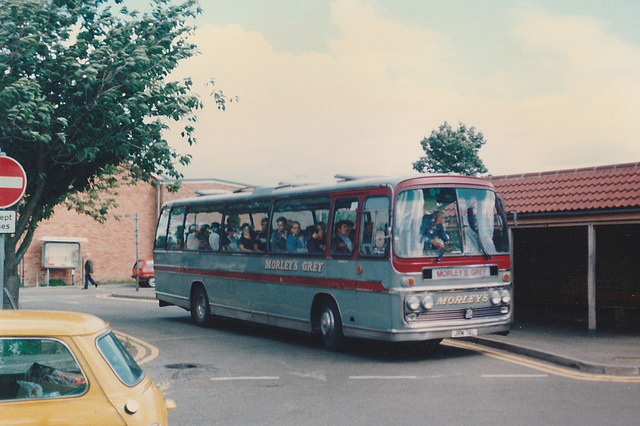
x: 200, y: 313
x: 331, y: 326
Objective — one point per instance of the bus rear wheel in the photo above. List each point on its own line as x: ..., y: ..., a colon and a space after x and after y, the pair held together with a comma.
x: 200, y: 313
x: 331, y: 326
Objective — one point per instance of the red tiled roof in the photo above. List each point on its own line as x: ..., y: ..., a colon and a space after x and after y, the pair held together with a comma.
x: 610, y: 187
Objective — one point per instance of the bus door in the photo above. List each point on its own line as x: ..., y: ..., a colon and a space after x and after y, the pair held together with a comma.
x: 342, y: 267
x: 374, y: 267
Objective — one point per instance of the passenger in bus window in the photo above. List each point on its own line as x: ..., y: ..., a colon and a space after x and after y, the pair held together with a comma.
x: 260, y: 243
x: 192, y: 238
x: 343, y: 244
x: 203, y: 237
x: 230, y: 240
x: 352, y: 230
x: 367, y: 233
x: 279, y: 237
x: 436, y: 235
x: 366, y: 243
x: 317, y: 243
x: 245, y: 243
x: 296, y: 242
x: 214, y: 236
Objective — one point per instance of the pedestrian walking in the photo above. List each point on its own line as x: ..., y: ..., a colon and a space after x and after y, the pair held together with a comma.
x: 88, y: 270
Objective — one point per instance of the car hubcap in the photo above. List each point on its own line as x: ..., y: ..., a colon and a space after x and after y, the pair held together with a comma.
x: 327, y: 323
x: 200, y: 306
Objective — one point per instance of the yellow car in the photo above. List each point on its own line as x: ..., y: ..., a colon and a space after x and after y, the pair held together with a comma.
x: 63, y: 368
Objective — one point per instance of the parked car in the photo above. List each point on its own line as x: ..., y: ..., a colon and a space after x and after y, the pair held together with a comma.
x: 67, y: 368
x: 146, y: 273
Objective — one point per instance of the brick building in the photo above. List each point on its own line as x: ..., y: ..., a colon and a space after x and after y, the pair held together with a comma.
x: 112, y: 244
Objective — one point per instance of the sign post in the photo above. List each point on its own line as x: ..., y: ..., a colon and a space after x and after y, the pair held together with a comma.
x: 13, y: 183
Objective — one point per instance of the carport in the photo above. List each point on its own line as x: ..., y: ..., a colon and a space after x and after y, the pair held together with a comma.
x: 576, y: 237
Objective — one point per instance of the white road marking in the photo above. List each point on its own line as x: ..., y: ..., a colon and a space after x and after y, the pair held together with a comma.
x: 228, y: 379
x: 383, y: 377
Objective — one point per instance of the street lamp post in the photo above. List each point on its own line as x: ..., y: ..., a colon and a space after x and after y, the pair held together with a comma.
x: 135, y: 230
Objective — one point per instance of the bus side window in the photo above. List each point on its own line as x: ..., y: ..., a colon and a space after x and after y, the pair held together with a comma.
x: 294, y: 222
x: 345, y: 215
x: 202, y: 227
x: 191, y: 232
x: 175, y: 231
x: 161, y: 230
x: 210, y: 219
x: 241, y: 220
x: 374, y: 238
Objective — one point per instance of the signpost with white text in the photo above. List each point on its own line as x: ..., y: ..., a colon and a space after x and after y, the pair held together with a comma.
x: 13, y: 183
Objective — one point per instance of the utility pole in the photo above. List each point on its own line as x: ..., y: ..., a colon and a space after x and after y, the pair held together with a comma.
x: 135, y: 230
x: 13, y: 183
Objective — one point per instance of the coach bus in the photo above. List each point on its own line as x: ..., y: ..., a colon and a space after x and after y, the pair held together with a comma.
x: 398, y: 259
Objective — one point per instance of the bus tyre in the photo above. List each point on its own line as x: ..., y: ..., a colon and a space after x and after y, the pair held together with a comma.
x: 200, y: 313
x: 331, y: 326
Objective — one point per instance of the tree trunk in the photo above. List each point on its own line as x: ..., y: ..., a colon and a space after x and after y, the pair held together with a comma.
x: 11, y: 279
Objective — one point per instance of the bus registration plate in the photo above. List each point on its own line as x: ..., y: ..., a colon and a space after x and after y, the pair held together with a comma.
x: 465, y: 333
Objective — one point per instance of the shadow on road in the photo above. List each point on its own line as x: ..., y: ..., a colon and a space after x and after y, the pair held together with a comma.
x: 358, y: 348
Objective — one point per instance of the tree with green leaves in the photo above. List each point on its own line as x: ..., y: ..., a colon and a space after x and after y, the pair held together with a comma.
x: 85, y: 90
x: 452, y: 151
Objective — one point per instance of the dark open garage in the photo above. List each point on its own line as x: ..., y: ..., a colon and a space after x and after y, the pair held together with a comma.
x: 576, y: 244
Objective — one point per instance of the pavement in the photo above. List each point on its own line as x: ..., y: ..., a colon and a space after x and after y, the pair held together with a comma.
x: 128, y: 291
x: 608, y: 350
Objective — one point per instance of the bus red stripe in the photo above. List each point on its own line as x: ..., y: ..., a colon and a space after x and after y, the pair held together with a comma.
x: 374, y: 286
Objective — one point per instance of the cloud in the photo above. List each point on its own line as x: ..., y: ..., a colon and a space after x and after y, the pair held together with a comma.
x: 569, y: 97
x: 579, y: 95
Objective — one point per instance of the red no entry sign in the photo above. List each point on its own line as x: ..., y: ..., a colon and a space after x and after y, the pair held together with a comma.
x: 13, y: 182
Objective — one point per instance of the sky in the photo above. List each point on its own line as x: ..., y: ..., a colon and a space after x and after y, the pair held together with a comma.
x: 353, y: 86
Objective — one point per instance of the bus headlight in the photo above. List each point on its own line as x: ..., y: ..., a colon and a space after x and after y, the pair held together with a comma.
x: 413, y: 303
x: 506, y: 296
x: 427, y: 302
x: 496, y: 298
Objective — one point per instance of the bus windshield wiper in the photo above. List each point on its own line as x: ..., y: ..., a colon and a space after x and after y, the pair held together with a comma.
x: 478, y: 242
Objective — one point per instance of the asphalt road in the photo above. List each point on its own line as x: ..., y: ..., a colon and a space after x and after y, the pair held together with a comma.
x: 238, y: 373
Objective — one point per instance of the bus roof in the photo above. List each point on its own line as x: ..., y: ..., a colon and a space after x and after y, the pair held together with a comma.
x: 345, y: 183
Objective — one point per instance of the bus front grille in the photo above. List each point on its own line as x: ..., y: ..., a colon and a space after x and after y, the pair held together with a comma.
x: 460, y: 314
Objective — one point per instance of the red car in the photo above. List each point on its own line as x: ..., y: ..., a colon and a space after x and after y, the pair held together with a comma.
x: 146, y: 273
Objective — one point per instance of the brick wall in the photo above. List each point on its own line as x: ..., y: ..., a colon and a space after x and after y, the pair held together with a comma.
x: 112, y: 244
